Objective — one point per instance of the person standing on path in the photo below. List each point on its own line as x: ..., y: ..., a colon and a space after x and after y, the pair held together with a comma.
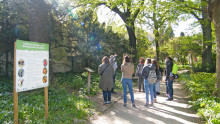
x: 169, y: 77
x: 106, y: 81
x: 115, y: 66
x: 127, y: 69
x: 148, y: 85
x: 159, y: 77
x: 159, y: 81
x: 138, y: 74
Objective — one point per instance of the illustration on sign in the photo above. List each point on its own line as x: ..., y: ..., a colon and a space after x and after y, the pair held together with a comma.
x: 32, y: 65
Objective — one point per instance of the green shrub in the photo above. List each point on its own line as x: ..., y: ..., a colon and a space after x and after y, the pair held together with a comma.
x: 199, y: 84
x: 63, y: 107
x: 200, y: 87
x: 70, y: 80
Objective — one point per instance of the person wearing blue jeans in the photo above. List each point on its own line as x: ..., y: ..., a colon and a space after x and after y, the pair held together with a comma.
x: 169, y: 78
x: 127, y: 82
x: 127, y: 69
x: 170, y: 88
x: 107, y: 96
x: 106, y: 72
x: 148, y: 87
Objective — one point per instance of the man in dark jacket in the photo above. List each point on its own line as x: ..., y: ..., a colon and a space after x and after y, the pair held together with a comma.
x: 169, y: 79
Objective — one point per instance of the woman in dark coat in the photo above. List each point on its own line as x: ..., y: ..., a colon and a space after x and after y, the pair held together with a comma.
x: 106, y: 81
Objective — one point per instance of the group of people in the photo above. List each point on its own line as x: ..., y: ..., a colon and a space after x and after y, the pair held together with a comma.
x: 149, y: 75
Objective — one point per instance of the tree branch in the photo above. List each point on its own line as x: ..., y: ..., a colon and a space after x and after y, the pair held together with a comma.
x: 196, y: 16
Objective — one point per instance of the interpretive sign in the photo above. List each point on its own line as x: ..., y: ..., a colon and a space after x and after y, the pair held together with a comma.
x: 32, y: 65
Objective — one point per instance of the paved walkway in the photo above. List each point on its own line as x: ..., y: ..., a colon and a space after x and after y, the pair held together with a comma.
x: 163, y: 112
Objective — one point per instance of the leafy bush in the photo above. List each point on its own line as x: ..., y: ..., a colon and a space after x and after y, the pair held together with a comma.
x: 199, y: 84
x: 63, y: 107
x: 208, y: 108
x: 71, y: 80
x: 200, y: 87
x: 6, y: 85
x: 183, y: 67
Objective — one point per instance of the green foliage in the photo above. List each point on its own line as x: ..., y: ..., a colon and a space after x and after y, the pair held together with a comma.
x: 183, y: 67
x: 201, y: 87
x: 199, y: 84
x: 71, y: 80
x: 63, y: 107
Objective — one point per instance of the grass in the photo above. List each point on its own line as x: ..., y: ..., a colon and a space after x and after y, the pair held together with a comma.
x: 67, y: 101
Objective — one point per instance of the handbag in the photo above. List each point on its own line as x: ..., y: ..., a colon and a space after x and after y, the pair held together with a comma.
x: 104, y: 70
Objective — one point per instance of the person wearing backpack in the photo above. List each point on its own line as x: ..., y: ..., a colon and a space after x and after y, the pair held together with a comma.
x: 169, y: 77
x: 106, y: 72
x: 139, y: 69
x: 175, y: 70
x: 159, y: 78
x: 127, y: 69
x: 150, y: 78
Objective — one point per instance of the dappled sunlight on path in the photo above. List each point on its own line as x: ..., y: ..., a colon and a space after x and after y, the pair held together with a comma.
x: 163, y: 112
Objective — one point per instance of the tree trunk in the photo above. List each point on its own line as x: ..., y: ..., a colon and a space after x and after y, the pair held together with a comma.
x: 214, y: 12
x: 132, y: 41
x: 38, y: 26
x: 38, y: 21
x: 6, y: 64
x: 157, y: 35
x: 207, y: 40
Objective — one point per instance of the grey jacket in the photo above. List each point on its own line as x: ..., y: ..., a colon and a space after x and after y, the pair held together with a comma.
x: 106, y: 80
x: 146, y: 70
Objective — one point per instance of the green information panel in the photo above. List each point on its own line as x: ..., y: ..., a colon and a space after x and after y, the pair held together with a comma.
x: 32, y: 65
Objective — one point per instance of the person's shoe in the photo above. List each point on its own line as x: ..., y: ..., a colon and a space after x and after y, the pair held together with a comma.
x: 155, y: 100
x: 166, y: 94
x: 151, y: 104
x: 146, y: 105
x: 105, y: 103
x: 158, y: 93
x: 125, y: 105
x: 134, y: 106
x: 139, y: 91
x: 109, y: 102
x: 170, y: 99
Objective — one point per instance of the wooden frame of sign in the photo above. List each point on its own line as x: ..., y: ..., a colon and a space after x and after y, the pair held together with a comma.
x: 89, y: 77
x: 15, y: 94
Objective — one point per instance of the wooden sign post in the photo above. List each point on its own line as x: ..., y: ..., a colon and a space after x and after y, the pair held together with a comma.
x: 27, y: 55
x: 89, y: 77
x: 46, y: 102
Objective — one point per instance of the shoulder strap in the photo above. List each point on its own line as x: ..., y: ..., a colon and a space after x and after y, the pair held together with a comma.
x: 104, y: 69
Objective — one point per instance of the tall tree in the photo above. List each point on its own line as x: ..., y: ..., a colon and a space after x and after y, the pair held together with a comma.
x: 198, y: 10
x: 38, y: 21
x: 214, y: 13
x: 128, y: 10
x: 157, y: 13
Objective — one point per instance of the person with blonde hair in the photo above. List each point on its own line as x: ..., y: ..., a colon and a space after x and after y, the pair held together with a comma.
x: 159, y: 77
x: 147, y: 84
x: 127, y: 69
x: 106, y: 72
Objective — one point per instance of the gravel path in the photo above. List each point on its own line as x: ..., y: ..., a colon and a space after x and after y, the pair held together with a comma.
x: 163, y: 112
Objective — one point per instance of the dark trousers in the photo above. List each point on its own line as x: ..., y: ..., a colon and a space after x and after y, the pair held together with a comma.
x: 141, y: 83
x: 107, y: 96
x: 167, y: 87
x: 114, y: 77
x: 170, y: 87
